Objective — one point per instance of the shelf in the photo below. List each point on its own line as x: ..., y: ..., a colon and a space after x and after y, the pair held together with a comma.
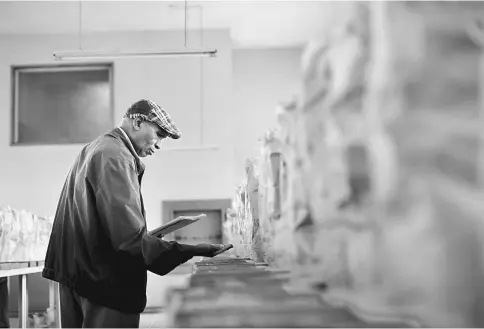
x: 20, y: 268
x: 21, y: 271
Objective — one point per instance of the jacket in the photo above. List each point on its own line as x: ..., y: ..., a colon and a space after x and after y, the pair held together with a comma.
x: 99, y: 245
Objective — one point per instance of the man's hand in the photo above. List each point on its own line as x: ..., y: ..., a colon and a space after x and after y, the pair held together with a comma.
x: 208, y: 249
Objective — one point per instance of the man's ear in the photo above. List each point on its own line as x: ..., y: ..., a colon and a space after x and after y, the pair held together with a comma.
x: 137, y: 122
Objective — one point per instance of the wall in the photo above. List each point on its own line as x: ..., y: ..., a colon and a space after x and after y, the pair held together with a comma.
x: 262, y: 78
x: 32, y: 177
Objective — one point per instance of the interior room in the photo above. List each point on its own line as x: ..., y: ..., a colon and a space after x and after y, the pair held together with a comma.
x: 334, y: 147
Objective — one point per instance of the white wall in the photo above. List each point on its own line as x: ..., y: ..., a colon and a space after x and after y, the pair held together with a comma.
x: 239, y: 91
x: 262, y: 78
x: 174, y: 82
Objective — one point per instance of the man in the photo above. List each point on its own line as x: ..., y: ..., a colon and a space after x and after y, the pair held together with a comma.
x: 99, y: 250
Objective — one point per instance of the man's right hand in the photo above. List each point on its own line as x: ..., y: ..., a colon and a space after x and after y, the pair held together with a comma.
x: 211, y: 250
x: 208, y: 249
x: 204, y: 249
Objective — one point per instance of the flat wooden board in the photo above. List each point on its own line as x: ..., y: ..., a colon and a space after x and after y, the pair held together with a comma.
x: 176, y: 224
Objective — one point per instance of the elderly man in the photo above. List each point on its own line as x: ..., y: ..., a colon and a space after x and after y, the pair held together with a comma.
x: 99, y: 250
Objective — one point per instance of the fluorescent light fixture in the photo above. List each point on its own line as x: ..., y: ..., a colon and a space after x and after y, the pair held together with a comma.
x: 84, y: 55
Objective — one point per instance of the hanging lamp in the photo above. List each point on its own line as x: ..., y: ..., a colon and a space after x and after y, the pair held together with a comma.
x: 85, y: 55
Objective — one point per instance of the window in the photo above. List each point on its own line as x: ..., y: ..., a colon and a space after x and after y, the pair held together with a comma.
x: 61, y: 104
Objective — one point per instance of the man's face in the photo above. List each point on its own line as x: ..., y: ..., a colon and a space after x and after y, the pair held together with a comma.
x: 148, y: 138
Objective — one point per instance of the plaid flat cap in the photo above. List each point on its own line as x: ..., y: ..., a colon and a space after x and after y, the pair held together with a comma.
x: 152, y: 112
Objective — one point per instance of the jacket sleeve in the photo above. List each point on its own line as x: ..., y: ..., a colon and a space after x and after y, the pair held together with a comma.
x: 117, y: 194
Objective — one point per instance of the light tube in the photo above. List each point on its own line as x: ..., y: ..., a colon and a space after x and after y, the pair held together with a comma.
x: 83, y: 55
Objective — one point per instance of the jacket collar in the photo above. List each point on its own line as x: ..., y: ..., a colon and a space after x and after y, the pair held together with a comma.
x: 120, y: 134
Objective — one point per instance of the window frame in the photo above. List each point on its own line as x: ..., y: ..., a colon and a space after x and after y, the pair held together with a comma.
x: 17, y: 69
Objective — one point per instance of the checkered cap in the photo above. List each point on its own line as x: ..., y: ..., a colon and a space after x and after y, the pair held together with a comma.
x: 152, y: 112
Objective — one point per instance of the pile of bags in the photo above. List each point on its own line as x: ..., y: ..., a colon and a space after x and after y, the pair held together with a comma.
x: 372, y: 184
x: 23, y: 235
x: 242, y: 219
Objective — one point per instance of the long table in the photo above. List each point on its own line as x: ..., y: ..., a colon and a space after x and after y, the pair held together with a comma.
x: 22, y: 271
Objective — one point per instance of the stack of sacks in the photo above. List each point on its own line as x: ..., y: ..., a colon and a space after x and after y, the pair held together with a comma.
x: 286, y: 199
x: 326, y: 123
x: 234, y: 226
x: 269, y: 198
x: 254, y: 237
x: 242, y: 225
x: 372, y: 183
x: 304, y: 179
x: 23, y: 236
x: 247, y: 219
x: 424, y: 216
x: 310, y: 186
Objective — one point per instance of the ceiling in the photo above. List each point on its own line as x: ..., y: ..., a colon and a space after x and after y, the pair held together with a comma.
x: 252, y: 24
